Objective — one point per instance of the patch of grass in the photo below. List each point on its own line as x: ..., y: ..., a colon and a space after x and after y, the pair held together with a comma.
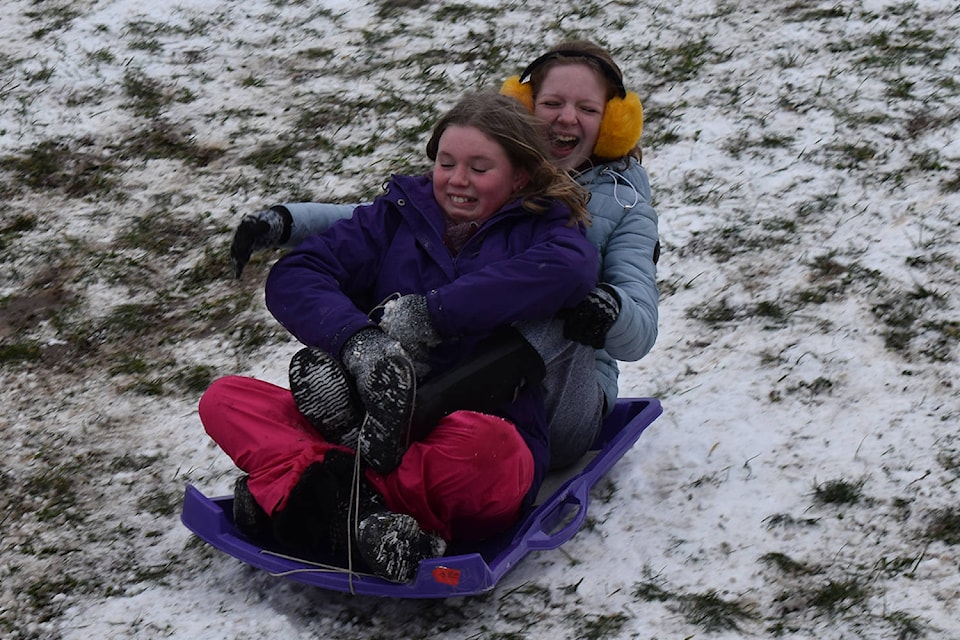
x: 161, y: 139
x: 652, y: 590
x: 682, y: 62
x: 904, y: 626
x: 129, y: 364
x: 160, y: 503
x: 787, y: 565
x: 133, y: 462
x: 839, y: 492
x: 599, y: 626
x: 786, y: 520
x: 55, y: 165
x: 852, y: 155
x: 901, y: 313
x: 943, y: 525
x: 830, y: 278
x: 56, y: 489
x: 55, y: 17
x: 893, y: 49
x: 195, y: 379
x: 389, y: 9
x: 713, y: 613
x: 802, y: 12
x: 839, y: 595
x: 20, y: 352
x: 160, y: 233
x: 213, y: 267
x: 148, y: 97
x: 714, y: 312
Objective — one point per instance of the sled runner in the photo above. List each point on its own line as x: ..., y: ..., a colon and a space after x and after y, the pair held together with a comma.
x: 466, y: 570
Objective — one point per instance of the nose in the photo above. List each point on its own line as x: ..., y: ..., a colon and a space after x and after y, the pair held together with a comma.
x: 459, y: 176
x: 568, y: 114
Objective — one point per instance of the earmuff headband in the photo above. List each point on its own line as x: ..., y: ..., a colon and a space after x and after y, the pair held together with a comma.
x: 608, y: 71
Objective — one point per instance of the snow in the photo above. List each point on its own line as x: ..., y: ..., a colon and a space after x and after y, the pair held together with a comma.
x: 758, y: 184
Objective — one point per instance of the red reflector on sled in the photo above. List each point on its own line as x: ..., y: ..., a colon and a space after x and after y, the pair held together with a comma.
x: 446, y: 575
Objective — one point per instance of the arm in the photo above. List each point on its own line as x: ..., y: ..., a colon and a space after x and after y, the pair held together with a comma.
x: 628, y: 260
x: 317, y: 291
x: 308, y: 218
x: 557, y: 270
x: 284, y: 225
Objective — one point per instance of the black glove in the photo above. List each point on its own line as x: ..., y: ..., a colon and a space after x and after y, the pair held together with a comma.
x: 264, y: 229
x: 589, y: 321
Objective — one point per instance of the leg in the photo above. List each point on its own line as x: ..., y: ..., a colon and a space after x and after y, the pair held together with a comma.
x: 572, y: 394
x: 257, y: 424
x: 305, y: 484
x: 326, y: 396
x: 466, y: 480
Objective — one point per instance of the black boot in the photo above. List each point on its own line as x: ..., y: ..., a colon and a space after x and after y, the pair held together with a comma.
x: 385, y: 434
x: 326, y: 396
x: 248, y: 515
x: 393, y: 544
x: 318, y: 517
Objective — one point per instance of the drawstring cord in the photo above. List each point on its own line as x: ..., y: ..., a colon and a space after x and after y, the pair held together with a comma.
x: 618, y: 179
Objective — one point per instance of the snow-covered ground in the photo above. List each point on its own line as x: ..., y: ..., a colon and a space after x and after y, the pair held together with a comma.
x: 805, y: 158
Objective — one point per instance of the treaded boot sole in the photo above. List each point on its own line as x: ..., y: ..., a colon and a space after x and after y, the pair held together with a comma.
x: 323, y: 393
x: 385, y: 434
x: 392, y: 545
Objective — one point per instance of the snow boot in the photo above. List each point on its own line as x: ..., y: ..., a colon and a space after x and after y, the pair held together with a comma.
x: 393, y: 544
x: 316, y: 520
x: 326, y: 396
x: 385, y: 434
x: 248, y: 515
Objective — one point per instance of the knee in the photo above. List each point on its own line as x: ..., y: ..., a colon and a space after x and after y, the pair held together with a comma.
x: 478, y: 437
x: 214, y: 395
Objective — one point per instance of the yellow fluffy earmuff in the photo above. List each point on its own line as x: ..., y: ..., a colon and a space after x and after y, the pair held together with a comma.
x: 620, y: 127
x: 522, y: 92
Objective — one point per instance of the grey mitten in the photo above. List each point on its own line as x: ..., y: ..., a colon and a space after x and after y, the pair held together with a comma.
x: 407, y: 321
x: 264, y: 229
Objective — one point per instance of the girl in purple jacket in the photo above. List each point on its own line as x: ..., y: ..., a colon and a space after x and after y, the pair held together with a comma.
x: 390, y: 299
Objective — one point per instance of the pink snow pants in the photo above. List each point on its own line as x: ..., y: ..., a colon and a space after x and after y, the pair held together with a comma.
x: 464, y: 481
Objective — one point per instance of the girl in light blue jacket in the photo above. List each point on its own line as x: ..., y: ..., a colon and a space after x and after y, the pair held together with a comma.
x: 594, y: 125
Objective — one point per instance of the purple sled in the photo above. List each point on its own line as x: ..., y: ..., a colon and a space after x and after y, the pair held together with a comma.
x: 469, y: 570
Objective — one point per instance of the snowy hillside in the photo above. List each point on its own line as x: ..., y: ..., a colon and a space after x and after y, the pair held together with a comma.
x: 805, y: 160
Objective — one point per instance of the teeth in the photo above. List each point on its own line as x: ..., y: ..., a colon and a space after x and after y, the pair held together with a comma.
x: 459, y: 199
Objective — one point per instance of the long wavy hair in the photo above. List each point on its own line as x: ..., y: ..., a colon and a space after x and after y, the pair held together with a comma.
x: 523, y: 138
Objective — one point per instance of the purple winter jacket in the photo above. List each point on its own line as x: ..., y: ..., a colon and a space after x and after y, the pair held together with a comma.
x: 518, y: 266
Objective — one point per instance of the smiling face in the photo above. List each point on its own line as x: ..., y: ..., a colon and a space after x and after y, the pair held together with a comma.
x: 571, y: 101
x: 472, y: 175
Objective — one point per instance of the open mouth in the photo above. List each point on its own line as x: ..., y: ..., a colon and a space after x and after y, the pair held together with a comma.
x: 564, y: 142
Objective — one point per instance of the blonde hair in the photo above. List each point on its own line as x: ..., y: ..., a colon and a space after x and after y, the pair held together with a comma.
x: 523, y: 138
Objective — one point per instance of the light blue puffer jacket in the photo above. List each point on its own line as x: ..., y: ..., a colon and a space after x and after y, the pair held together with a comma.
x: 624, y: 230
